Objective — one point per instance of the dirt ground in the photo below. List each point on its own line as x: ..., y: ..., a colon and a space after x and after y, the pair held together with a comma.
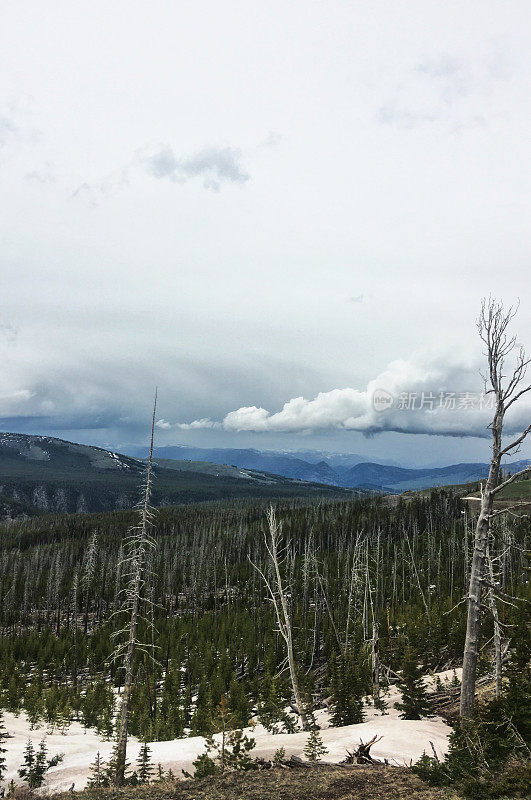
x: 320, y: 782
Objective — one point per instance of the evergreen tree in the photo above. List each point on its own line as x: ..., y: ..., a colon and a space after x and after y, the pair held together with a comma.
x: 144, y: 765
x: 271, y: 713
x: 98, y: 774
x: 347, y: 692
x: 204, y: 766
x: 238, y: 704
x: 36, y: 764
x: 488, y: 754
x: 415, y: 703
x: 231, y: 749
x: 314, y: 748
x: 27, y: 768
x: 34, y: 704
x: 239, y: 745
x: 201, y: 723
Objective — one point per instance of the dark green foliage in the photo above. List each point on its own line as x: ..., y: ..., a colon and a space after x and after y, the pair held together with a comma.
x: 98, y: 773
x: 144, y: 765
x: 489, y: 754
x: 215, y: 630
x: 204, y: 766
x: 96, y: 706
x: 229, y: 750
x: 415, y: 703
x: 232, y: 746
x: 201, y: 724
x: 34, y: 703
x: 346, y: 690
x: 271, y: 711
x: 237, y: 750
x: 238, y: 704
x: 36, y: 764
x: 314, y: 748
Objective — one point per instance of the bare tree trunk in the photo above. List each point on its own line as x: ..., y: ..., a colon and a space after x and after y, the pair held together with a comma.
x: 277, y: 594
x: 492, y: 326
x: 375, y: 662
x: 138, y: 544
x: 74, y: 620
x: 475, y: 590
x: 497, y: 628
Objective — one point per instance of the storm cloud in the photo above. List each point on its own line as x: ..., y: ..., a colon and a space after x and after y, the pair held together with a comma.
x: 267, y: 215
x: 414, y: 397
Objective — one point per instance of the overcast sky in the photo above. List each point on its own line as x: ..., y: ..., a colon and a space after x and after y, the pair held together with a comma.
x: 267, y: 209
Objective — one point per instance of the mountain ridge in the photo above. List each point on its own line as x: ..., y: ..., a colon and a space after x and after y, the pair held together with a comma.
x: 43, y: 474
x: 365, y: 474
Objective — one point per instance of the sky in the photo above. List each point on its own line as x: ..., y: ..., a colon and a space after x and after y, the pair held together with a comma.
x: 269, y: 210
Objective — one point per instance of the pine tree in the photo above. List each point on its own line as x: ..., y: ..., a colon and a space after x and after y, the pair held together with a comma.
x: 3, y: 737
x: 201, y: 723
x: 34, y: 704
x: 347, y: 692
x: 144, y: 765
x: 271, y: 713
x: 239, y: 746
x: 238, y: 704
x: 98, y: 776
x: 36, y: 764
x: 26, y: 770
x: 314, y: 747
x: 415, y: 703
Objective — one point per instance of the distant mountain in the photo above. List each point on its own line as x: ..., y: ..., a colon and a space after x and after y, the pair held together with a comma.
x: 398, y: 479
x: 320, y: 467
x: 332, y: 469
x: 41, y: 474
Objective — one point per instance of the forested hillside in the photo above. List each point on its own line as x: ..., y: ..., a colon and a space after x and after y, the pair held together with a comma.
x: 350, y: 565
x: 42, y: 474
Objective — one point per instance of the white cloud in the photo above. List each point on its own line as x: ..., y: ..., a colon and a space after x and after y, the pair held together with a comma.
x: 434, y: 397
x: 162, y: 423
x: 198, y: 424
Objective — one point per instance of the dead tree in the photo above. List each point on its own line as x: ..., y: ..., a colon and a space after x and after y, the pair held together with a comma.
x: 362, y: 754
x: 137, y: 546
x: 497, y: 627
x: 87, y: 578
x: 277, y: 594
x: 493, y: 326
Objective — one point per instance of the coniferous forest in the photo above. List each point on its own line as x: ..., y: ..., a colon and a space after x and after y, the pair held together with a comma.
x: 355, y: 570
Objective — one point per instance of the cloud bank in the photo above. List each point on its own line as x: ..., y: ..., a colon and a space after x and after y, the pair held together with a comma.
x: 412, y: 397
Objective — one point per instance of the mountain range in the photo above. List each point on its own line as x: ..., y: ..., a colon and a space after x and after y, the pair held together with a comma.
x: 41, y: 474
x: 339, y: 470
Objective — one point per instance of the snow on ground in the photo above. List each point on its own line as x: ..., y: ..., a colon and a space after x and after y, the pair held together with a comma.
x: 403, y: 741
